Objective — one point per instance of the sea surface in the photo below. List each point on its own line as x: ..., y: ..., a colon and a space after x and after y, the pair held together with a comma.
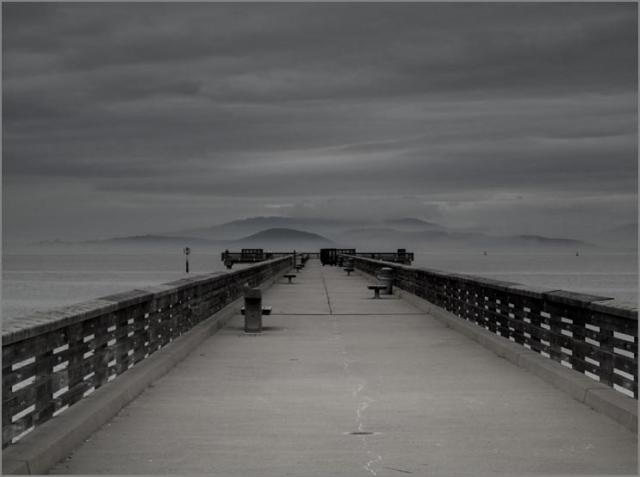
x: 612, y: 275
x: 36, y: 282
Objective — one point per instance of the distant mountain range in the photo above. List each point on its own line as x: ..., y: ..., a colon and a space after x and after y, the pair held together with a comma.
x: 244, y: 227
x: 272, y: 233
x: 539, y: 240
x: 408, y: 223
x: 283, y: 235
x: 623, y: 236
x: 449, y: 239
x: 269, y: 239
x: 151, y: 239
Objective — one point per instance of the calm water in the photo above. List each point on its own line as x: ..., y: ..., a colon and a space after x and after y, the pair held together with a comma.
x: 607, y: 274
x: 39, y: 281
x: 33, y: 282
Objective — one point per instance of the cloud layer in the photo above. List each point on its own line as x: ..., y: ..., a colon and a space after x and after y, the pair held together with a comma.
x: 128, y: 118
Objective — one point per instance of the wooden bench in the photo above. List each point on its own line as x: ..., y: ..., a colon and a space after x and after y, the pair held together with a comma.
x: 298, y: 268
x: 266, y: 310
x: 348, y: 270
x: 376, y: 289
x: 289, y: 276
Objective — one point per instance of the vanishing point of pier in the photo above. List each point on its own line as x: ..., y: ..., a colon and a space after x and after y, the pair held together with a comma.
x: 448, y: 375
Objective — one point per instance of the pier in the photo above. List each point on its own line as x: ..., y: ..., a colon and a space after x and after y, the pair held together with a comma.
x: 448, y: 375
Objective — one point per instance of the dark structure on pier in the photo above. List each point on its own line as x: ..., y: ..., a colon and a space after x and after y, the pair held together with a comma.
x: 327, y: 256
x: 335, y: 256
x: 255, y: 255
x: 332, y: 256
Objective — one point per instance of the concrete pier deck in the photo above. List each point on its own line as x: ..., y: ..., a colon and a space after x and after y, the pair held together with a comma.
x: 331, y: 362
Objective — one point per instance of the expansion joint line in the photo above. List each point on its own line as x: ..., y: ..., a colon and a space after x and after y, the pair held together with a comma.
x: 326, y: 292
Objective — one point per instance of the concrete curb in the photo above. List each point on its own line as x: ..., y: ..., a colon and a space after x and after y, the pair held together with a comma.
x: 601, y: 398
x: 57, y: 438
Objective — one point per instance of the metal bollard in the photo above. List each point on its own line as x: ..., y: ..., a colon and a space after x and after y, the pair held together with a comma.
x: 252, y: 309
x: 386, y: 278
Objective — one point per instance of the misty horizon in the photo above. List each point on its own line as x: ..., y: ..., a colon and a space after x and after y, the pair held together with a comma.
x: 312, y: 221
x: 281, y: 233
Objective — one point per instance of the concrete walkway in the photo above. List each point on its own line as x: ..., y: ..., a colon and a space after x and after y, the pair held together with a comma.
x: 332, y: 362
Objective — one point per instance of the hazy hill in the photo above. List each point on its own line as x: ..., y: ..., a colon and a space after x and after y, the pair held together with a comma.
x: 153, y: 239
x: 283, y: 237
x: 244, y: 227
x: 623, y: 236
x: 408, y: 223
x: 134, y: 243
x: 540, y: 240
x: 370, y: 231
x: 273, y: 238
x: 377, y: 239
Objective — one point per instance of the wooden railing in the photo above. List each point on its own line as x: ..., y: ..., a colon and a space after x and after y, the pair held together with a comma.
x: 580, y: 331
x: 51, y: 360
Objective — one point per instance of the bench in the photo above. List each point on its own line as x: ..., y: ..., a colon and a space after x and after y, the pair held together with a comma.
x: 266, y: 310
x: 289, y: 276
x: 348, y: 270
x: 298, y: 268
x: 376, y: 289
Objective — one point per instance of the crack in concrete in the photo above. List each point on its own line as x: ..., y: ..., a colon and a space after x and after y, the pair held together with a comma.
x: 363, y: 401
x: 368, y: 465
x: 363, y: 404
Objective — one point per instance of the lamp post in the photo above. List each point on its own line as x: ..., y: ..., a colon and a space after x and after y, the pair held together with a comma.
x: 187, y: 251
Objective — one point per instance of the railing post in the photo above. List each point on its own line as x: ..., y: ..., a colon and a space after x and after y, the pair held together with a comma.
x: 252, y: 309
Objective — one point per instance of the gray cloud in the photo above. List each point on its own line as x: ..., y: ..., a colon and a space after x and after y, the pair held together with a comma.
x: 304, y: 102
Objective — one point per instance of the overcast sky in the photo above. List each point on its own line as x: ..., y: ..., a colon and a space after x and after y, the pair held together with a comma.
x: 126, y: 119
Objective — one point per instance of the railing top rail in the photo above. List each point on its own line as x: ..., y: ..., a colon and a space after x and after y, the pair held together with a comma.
x: 593, y: 302
x: 36, y: 323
